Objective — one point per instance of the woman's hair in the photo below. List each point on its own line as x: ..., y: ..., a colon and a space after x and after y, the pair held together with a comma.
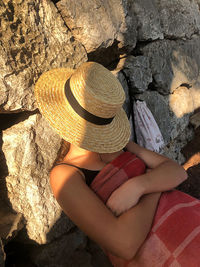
x: 64, y: 148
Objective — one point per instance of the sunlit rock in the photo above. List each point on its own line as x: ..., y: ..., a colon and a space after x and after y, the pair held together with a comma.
x: 33, y: 39
x: 30, y: 148
x: 173, y: 63
x: 181, y: 101
x: 96, y: 24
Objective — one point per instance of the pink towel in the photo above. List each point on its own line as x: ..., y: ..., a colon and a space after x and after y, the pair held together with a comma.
x: 174, y: 239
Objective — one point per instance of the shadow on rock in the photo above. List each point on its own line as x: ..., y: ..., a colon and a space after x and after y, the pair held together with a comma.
x: 192, y: 165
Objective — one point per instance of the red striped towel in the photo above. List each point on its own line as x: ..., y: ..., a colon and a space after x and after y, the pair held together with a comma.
x: 115, y: 173
x: 174, y: 240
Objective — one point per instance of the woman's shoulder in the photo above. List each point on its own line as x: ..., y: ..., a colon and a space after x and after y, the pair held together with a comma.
x: 64, y: 170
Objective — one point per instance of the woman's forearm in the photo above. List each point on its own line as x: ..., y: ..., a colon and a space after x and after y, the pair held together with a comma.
x: 150, y: 158
x: 165, y: 177
x: 165, y: 173
x: 136, y: 223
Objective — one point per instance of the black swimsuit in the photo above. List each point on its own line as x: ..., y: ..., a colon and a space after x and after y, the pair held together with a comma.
x: 89, y: 174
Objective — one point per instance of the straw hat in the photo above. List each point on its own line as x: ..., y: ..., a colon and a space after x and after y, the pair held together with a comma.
x: 84, y: 106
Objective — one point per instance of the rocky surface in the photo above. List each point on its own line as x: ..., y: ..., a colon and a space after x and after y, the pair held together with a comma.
x: 105, y: 22
x: 65, y: 251
x: 170, y: 125
x: 2, y: 255
x: 192, y: 164
x: 29, y: 158
x: 153, y: 48
x: 179, y: 18
x: 34, y: 39
x: 173, y: 63
x: 10, y: 223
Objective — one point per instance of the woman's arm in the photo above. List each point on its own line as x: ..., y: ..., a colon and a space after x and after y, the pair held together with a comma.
x: 165, y: 174
x: 150, y: 158
x: 164, y: 177
x: 121, y: 236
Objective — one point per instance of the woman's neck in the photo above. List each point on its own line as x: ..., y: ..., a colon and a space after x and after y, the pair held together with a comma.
x: 79, y: 155
x: 76, y: 153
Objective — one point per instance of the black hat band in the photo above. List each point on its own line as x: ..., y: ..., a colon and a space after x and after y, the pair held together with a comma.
x: 81, y: 111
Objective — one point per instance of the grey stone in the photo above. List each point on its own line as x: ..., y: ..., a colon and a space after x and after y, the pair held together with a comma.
x: 170, y: 126
x: 173, y: 149
x: 120, y: 76
x: 138, y: 73
x: 80, y: 258
x: 61, y: 252
x: 173, y: 63
x: 179, y: 18
x: 195, y: 120
x: 2, y: 255
x: 99, y: 258
x: 33, y: 39
x: 96, y: 24
x: 195, y: 94
x: 148, y: 20
x: 30, y: 148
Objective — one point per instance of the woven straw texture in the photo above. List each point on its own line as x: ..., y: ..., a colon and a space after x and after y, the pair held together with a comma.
x: 98, y: 91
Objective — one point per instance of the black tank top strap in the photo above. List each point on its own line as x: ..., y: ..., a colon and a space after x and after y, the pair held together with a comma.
x: 88, y: 174
x: 64, y: 163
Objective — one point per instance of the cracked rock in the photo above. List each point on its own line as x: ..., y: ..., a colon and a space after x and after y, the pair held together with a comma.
x: 173, y: 63
x: 30, y: 148
x: 96, y: 24
x: 33, y: 39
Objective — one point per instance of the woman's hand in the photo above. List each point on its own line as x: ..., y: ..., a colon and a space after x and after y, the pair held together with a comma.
x: 125, y: 197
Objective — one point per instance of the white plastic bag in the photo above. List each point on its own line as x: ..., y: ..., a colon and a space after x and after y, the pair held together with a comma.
x: 147, y: 132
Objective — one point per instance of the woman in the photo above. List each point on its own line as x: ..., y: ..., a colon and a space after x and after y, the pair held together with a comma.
x: 85, y: 107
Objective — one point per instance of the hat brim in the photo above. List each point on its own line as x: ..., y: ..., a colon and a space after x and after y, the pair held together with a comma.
x: 53, y: 104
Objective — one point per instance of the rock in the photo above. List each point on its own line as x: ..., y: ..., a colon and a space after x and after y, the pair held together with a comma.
x: 99, y: 258
x: 181, y: 101
x: 166, y: 19
x: 195, y: 120
x: 195, y: 93
x: 96, y: 24
x: 179, y: 18
x: 80, y: 258
x: 2, y: 255
x: 192, y: 166
x: 62, y: 251
x: 10, y: 222
x: 33, y: 39
x: 173, y: 63
x: 30, y: 148
x: 170, y: 126
x: 138, y: 73
x: 120, y: 76
x: 148, y: 20
x: 173, y: 149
